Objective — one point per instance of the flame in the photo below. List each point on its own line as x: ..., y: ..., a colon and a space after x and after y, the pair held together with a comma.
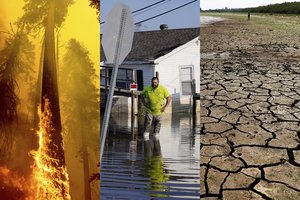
x: 49, y: 180
x: 52, y: 181
x: 14, y: 186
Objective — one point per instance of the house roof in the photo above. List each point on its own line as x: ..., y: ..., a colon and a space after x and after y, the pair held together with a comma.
x: 150, y: 45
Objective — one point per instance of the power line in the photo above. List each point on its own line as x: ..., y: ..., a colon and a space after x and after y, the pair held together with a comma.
x: 148, y: 6
x: 143, y: 8
x: 165, y: 12
x: 151, y: 8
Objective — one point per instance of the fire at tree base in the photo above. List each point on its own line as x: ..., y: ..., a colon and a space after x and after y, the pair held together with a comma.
x: 49, y: 174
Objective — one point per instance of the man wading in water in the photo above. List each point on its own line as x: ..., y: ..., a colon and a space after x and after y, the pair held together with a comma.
x: 153, y: 99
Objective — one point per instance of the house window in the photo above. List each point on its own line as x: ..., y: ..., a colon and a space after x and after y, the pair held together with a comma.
x: 186, y: 79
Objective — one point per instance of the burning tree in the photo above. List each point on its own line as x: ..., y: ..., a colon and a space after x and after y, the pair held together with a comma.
x: 49, y: 15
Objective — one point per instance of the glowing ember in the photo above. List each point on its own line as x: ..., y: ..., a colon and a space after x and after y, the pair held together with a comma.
x: 51, y: 178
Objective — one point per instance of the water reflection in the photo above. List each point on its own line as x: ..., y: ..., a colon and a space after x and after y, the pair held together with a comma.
x: 154, y: 169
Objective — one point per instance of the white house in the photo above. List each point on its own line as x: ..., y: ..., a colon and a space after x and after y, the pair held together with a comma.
x: 174, y: 54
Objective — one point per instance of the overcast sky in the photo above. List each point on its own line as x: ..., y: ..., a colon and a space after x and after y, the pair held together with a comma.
x: 215, y: 4
x: 184, y: 17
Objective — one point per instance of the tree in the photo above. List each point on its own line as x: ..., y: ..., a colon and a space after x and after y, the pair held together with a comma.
x: 96, y: 4
x: 37, y: 12
x: 16, y: 61
x: 48, y: 15
x: 80, y: 101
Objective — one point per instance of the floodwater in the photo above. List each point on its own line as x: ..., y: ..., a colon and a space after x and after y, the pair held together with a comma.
x: 205, y: 20
x: 155, y: 169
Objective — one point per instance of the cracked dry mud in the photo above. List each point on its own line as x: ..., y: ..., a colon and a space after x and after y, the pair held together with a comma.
x: 250, y: 112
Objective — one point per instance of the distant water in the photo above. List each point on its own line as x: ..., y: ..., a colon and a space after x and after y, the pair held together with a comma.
x: 205, y: 20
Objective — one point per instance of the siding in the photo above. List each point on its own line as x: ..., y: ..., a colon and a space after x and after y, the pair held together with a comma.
x: 169, y: 73
x: 169, y: 67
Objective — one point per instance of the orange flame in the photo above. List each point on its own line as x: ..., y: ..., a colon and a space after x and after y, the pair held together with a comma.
x: 52, y: 181
x: 13, y: 186
x: 48, y: 181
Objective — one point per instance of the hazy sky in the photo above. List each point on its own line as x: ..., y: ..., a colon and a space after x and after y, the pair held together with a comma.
x: 214, y: 4
x: 81, y: 23
x: 185, y: 17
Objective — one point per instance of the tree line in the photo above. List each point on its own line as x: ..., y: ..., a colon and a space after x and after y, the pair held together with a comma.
x: 282, y: 8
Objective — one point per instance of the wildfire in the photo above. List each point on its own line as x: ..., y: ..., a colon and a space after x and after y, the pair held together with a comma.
x: 50, y: 177
x: 14, y: 186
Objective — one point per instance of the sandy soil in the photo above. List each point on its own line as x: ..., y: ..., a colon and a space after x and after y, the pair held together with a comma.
x: 250, y: 109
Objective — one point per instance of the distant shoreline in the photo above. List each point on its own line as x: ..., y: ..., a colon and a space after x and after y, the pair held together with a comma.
x: 206, y: 20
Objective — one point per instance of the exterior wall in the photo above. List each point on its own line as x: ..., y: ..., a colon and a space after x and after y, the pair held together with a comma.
x: 119, y: 102
x: 168, y: 67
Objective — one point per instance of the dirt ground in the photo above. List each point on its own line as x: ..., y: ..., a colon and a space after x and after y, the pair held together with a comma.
x: 250, y: 109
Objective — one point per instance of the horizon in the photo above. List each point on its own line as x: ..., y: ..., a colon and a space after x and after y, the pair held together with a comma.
x: 237, y: 4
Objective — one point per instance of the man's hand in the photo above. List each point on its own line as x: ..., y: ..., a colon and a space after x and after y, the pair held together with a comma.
x: 169, y: 99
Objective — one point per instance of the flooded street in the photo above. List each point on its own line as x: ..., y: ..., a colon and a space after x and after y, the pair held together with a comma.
x: 155, y: 169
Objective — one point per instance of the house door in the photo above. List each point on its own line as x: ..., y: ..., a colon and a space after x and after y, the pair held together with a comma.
x: 140, y: 80
x: 186, y: 79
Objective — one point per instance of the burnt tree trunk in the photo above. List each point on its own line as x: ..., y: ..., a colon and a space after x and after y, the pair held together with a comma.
x: 50, y: 89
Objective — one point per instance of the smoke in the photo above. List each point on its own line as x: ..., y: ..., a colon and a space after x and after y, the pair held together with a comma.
x: 80, y: 113
x: 16, y: 136
x: 2, y: 27
x: 13, y: 186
